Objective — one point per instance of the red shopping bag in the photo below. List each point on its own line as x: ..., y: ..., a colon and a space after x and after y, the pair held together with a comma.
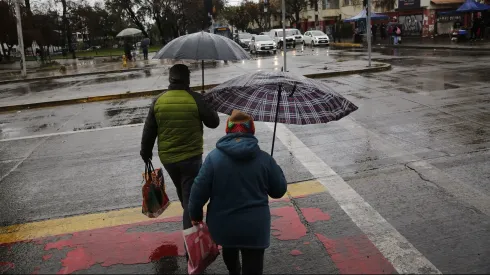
x: 155, y: 199
x: 201, y: 248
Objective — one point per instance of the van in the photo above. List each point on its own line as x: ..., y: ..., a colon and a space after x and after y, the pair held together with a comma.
x: 277, y: 36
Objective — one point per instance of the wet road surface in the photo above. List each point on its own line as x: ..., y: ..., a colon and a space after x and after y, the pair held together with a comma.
x: 407, y: 180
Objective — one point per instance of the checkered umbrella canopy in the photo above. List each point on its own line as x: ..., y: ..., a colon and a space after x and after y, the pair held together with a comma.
x: 302, y: 100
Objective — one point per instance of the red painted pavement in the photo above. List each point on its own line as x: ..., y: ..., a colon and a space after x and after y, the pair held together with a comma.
x: 314, y: 215
x: 288, y: 226
x: 356, y: 255
x: 114, y: 245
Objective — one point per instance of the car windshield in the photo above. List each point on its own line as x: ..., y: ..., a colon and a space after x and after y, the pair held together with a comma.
x: 244, y: 36
x: 317, y: 33
x: 262, y: 38
x: 288, y: 33
x: 293, y: 32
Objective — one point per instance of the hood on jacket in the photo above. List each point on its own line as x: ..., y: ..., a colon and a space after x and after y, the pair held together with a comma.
x: 239, y: 146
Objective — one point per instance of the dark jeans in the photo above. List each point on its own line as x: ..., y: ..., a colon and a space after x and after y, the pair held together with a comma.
x: 145, y: 53
x: 183, y: 174
x: 336, y: 37
x: 252, y: 259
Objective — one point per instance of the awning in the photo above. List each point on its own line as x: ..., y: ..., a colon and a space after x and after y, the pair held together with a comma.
x: 447, y: 2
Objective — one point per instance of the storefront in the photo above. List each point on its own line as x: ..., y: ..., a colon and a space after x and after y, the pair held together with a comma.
x: 445, y: 23
x: 411, y: 17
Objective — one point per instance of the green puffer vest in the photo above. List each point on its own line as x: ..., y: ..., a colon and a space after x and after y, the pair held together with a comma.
x: 180, y: 127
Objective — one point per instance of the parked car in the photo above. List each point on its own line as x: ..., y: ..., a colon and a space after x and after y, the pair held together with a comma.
x: 277, y: 36
x: 244, y: 39
x: 315, y: 38
x: 262, y: 43
x: 297, y: 35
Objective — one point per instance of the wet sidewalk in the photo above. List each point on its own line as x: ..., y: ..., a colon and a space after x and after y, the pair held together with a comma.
x: 308, y: 62
x: 77, y: 67
x: 442, y: 42
x: 306, y: 238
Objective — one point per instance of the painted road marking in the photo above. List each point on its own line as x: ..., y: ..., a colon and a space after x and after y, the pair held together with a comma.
x: 461, y: 190
x: 73, y: 132
x: 81, y: 131
x: 398, y: 250
x: 35, y: 230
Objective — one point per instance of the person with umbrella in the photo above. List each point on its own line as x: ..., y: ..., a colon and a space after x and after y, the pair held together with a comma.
x: 144, y: 47
x: 237, y: 177
x: 176, y: 117
x: 128, y: 48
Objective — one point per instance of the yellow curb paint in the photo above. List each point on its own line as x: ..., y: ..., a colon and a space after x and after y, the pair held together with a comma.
x: 305, y: 188
x: 35, y: 230
x: 353, y: 45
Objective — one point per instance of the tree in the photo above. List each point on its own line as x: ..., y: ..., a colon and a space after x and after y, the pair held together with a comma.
x: 237, y: 16
x: 386, y: 5
x: 8, y: 28
x: 293, y: 8
x: 133, y: 9
x: 256, y: 14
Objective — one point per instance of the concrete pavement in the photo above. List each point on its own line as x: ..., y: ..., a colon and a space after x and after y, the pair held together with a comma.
x: 309, y: 61
x: 406, y: 179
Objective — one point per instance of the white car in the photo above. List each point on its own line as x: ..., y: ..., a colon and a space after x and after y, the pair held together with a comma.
x: 277, y: 35
x: 315, y: 38
x: 262, y: 43
x: 297, y: 35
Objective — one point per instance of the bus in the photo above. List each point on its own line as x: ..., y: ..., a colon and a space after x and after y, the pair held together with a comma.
x: 223, y: 31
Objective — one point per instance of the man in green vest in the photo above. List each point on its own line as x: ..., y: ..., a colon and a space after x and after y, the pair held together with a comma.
x: 176, y: 117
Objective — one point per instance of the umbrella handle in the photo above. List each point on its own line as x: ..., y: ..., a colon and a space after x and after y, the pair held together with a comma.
x: 294, y: 90
x: 277, y: 116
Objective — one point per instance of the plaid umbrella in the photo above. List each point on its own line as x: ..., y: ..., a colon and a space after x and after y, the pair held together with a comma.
x: 306, y: 101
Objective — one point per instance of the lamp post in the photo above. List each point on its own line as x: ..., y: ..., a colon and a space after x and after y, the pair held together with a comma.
x: 21, y: 39
x: 368, y: 30
x: 284, y: 47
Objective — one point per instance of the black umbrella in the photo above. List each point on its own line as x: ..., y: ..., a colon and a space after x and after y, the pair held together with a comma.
x: 202, y: 46
x: 260, y: 94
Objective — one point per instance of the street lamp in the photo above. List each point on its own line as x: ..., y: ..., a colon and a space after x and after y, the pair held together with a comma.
x: 284, y: 47
x: 21, y: 39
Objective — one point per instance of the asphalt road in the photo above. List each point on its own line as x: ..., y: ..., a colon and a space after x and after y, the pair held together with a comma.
x: 415, y: 158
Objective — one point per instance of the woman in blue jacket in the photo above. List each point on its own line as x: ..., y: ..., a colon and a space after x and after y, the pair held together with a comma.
x: 237, y: 177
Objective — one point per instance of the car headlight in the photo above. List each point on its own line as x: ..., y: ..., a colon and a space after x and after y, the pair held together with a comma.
x: 274, y: 44
x: 258, y: 45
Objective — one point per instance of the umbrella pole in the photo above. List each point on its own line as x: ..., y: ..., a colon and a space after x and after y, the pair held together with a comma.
x: 275, y: 122
x: 202, y: 67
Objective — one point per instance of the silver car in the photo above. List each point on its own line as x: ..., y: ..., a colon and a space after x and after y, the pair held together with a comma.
x: 262, y: 43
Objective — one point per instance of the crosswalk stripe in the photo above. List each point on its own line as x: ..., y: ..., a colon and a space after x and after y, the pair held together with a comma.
x: 396, y: 248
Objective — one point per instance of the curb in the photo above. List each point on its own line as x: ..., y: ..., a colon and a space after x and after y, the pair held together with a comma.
x: 435, y: 48
x: 81, y: 74
x: 346, y: 45
x: 127, y: 95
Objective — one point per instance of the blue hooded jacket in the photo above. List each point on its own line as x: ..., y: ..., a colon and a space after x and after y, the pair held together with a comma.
x: 237, y: 177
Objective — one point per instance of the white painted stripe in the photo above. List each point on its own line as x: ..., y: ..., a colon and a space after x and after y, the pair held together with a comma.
x: 404, y: 257
x: 81, y: 131
x: 72, y: 132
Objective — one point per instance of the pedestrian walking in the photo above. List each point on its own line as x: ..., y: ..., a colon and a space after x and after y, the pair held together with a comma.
x: 374, y: 29
x: 336, y: 31
x: 383, y: 31
x: 396, y: 34
x: 237, y: 177
x: 176, y: 117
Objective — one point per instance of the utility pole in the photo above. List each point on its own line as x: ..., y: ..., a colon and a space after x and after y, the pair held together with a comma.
x: 368, y: 30
x: 284, y: 47
x: 21, y: 39
x: 316, y: 14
